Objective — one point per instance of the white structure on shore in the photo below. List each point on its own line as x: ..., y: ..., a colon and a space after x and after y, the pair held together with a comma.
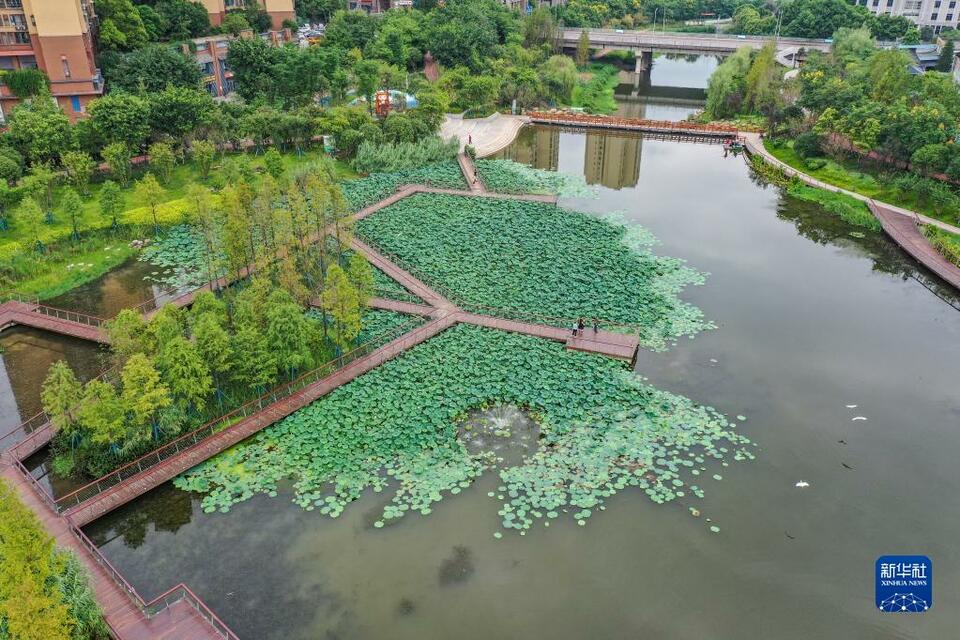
x: 938, y: 14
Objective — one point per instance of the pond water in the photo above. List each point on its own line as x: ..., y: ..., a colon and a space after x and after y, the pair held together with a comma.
x: 124, y: 286
x: 811, y: 320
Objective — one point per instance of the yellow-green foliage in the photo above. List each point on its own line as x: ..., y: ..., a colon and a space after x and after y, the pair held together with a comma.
x: 947, y: 244
x: 39, y: 598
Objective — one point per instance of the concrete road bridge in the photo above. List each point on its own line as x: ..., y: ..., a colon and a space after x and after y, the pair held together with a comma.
x: 645, y: 43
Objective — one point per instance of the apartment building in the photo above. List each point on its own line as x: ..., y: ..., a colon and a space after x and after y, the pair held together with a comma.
x: 279, y: 10
x: 211, y: 56
x: 937, y: 14
x: 54, y: 36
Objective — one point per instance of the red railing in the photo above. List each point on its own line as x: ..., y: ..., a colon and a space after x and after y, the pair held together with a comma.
x: 638, y: 123
x: 69, y: 316
x: 506, y: 314
x: 155, y: 606
x: 198, y: 435
x: 180, y: 592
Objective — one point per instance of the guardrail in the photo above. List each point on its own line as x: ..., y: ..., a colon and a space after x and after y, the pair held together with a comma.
x: 10, y: 296
x: 69, y: 316
x: 165, y: 600
x: 638, y: 123
x: 200, y: 434
x: 499, y: 312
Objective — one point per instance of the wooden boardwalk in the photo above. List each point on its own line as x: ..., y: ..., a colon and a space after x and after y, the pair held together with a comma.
x: 469, y: 170
x: 668, y: 127
x: 605, y: 343
x: 123, y: 609
x: 132, y: 486
x: 38, y: 316
x: 906, y: 233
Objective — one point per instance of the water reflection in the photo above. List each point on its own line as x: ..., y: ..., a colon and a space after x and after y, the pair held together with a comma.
x: 120, y: 288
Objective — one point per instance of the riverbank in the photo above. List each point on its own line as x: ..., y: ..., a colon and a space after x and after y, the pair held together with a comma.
x: 878, y: 187
x: 909, y: 239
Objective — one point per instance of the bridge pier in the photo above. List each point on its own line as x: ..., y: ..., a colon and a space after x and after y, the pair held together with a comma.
x: 644, y: 61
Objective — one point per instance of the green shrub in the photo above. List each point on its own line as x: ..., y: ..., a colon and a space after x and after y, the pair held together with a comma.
x: 815, y: 163
x: 808, y: 145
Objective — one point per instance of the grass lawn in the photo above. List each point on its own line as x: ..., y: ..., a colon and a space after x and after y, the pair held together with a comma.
x: 21, y: 271
x: 870, y: 184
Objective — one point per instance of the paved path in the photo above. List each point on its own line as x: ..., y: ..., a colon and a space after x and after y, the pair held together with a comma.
x: 489, y: 135
x: 121, y: 609
x: 898, y: 223
x: 906, y: 233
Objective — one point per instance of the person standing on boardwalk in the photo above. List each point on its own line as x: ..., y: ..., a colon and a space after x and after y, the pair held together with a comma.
x: 596, y: 326
x: 580, y: 325
x: 470, y: 138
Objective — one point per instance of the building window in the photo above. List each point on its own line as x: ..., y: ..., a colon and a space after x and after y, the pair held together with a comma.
x: 949, y: 17
x: 936, y: 5
x: 889, y: 3
x: 953, y: 4
x: 75, y: 104
x: 211, y: 89
x: 15, y: 4
x: 933, y: 16
x: 66, y: 66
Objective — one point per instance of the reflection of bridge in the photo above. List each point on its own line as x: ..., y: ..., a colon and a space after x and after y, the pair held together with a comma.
x: 645, y: 43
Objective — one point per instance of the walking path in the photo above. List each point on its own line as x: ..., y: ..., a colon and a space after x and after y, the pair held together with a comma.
x: 68, y: 323
x: 489, y: 135
x: 898, y: 223
x: 906, y: 233
x: 180, y: 614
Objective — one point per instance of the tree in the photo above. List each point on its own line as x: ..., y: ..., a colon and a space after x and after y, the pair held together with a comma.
x: 121, y: 27
x: 367, y: 74
x: 351, y: 30
x: 111, y: 202
x: 727, y: 85
x: 117, y: 157
x: 127, y: 332
x: 340, y: 302
x: 72, y: 206
x: 318, y: 10
x: 203, y: 153
x: 152, y: 69
x: 179, y: 111
x: 102, y: 413
x: 39, y: 184
x: 213, y: 344
x: 29, y: 218
x: 166, y: 325
x: 853, y: 45
x: 253, y: 363
x: 60, y: 396
x: 119, y: 117
x: 559, y: 75
x: 186, y: 19
x: 26, y: 83
x: 162, y: 160
x: 149, y: 191
x: 273, y: 163
x: 144, y: 395
x: 79, y: 167
x: 234, y: 22
x: 185, y: 373
x: 360, y: 275
x: 583, y: 49
x: 288, y: 333
x: 945, y: 61
x: 40, y: 130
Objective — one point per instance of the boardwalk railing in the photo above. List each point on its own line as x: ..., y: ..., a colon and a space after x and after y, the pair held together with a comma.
x: 682, y: 127
x: 10, y: 296
x: 165, y: 600
x: 393, y: 294
x: 69, y: 316
x: 30, y: 428
x: 198, y: 435
x: 498, y: 312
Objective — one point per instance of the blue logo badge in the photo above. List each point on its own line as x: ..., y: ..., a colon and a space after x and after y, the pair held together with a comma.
x: 904, y: 584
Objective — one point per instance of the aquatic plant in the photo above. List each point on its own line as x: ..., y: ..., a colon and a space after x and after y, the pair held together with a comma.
x: 180, y: 256
x: 366, y: 191
x: 602, y: 430
x: 507, y: 176
x: 530, y: 257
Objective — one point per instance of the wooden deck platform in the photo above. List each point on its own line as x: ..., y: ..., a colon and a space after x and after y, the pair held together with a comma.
x: 124, y: 614
x: 38, y: 316
x: 663, y: 127
x: 605, y: 343
x: 905, y: 232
